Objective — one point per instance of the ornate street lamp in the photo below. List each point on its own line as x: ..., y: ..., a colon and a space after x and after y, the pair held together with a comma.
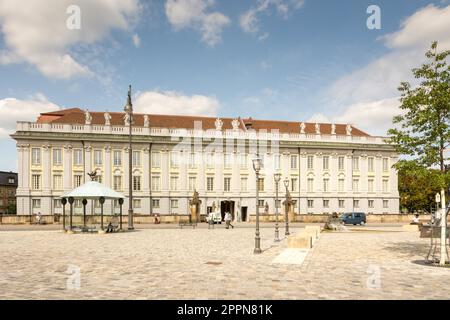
x: 64, y: 202
x: 129, y: 116
x: 277, y: 178
x: 71, y: 201
x: 287, y: 202
x: 257, y: 166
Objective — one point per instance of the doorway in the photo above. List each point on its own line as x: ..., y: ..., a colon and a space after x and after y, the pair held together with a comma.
x: 244, y: 214
x: 226, y: 206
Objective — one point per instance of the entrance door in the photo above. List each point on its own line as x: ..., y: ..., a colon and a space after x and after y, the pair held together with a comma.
x: 244, y: 214
x: 226, y: 206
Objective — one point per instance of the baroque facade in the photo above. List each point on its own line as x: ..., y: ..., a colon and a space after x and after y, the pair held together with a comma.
x: 329, y: 167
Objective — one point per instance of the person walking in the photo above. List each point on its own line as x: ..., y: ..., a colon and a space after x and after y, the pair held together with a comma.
x: 38, y: 218
x: 228, y: 219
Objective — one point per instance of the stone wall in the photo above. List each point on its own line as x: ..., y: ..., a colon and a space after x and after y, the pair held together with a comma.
x: 146, y: 219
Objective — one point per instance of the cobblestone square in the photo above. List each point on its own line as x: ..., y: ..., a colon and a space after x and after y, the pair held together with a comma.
x: 169, y: 263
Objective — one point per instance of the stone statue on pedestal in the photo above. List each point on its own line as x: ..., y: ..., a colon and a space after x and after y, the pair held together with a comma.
x: 87, y: 118
x: 107, y: 119
x: 302, y: 127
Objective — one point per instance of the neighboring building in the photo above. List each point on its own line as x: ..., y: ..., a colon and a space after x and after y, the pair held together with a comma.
x: 329, y: 167
x: 8, y: 186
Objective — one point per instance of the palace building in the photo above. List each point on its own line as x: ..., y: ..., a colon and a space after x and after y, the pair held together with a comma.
x: 329, y: 167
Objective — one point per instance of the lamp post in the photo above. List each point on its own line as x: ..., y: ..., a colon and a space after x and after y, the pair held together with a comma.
x: 129, y: 115
x: 277, y: 178
x: 286, y: 205
x: 71, y: 201
x: 64, y: 202
x: 257, y: 166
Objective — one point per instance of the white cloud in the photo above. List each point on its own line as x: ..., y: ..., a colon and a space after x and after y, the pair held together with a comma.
x: 170, y: 102
x: 194, y: 14
x: 249, y: 20
x: 365, y: 96
x: 320, y: 118
x: 13, y: 110
x: 37, y: 33
x: 136, y: 41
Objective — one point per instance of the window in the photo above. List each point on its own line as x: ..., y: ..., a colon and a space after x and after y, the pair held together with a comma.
x: 341, y: 185
x: 310, y: 203
x: 192, y: 183
x: 136, y: 159
x: 174, y: 183
x: 98, y: 157
x: 310, y: 185
x: 36, y: 203
x: 57, y: 182
x: 210, y: 160
x: 192, y: 163
x: 227, y: 184
x: 11, y: 180
x: 294, y: 160
x: 341, y: 203
x: 326, y: 162
x: 278, y: 203
x: 370, y: 165
x: 341, y: 163
x: 36, y: 156
x: 261, y: 203
x: 326, y: 203
x: 210, y: 184
x: 355, y: 163
x: 57, y: 157
x: 370, y: 203
x: 155, y: 203
x: 116, y: 203
x: 261, y: 184
x: 57, y: 203
x: 156, y: 160
x: 117, y: 158
x: 36, y: 181
x: 117, y: 183
x: 277, y: 161
x: 77, y: 157
x: 355, y: 185
x: 174, y: 203
x: 244, y: 184
x: 174, y: 161
x: 96, y: 204
x: 77, y: 180
x: 310, y: 162
x: 156, y: 183
x: 385, y: 185
x: 326, y: 185
x: 78, y: 203
x: 243, y: 160
x: 385, y: 204
x: 294, y: 184
x: 137, y: 183
x: 385, y: 164
x: 370, y: 185
x: 227, y: 161
x: 136, y: 203
x: 356, y: 203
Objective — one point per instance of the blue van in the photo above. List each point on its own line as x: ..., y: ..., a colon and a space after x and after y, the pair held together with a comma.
x: 354, y: 218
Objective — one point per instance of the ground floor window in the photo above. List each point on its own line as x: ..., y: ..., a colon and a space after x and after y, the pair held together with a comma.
x: 261, y: 203
x: 136, y: 203
x: 341, y: 203
x: 356, y: 203
x: 326, y: 203
x: 155, y: 203
x: 57, y: 203
x: 370, y: 203
x: 385, y: 204
x: 36, y: 203
x: 310, y: 203
x: 174, y: 203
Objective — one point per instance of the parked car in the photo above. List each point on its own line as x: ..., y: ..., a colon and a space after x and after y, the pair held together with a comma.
x: 354, y: 218
x: 214, y: 217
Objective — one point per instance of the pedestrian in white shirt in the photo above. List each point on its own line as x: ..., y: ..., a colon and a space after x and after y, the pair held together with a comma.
x: 228, y: 219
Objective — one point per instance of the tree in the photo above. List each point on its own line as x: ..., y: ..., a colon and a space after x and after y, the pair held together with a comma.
x: 417, y: 186
x: 424, y: 127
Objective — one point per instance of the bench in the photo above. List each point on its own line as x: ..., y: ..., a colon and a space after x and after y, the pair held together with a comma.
x: 192, y: 224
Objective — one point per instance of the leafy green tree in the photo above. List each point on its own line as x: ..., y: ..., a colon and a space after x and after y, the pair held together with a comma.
x: 418, y: 186
x: 423, y: 129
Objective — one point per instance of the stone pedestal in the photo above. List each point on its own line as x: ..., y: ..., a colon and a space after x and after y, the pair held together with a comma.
x: 194, y: 211
x: 291, y: 214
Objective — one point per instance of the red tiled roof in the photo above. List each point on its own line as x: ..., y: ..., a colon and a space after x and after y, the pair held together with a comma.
x: 76, y: 116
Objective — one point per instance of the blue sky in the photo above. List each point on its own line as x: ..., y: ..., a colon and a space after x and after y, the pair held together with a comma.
x: 270, y: 59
